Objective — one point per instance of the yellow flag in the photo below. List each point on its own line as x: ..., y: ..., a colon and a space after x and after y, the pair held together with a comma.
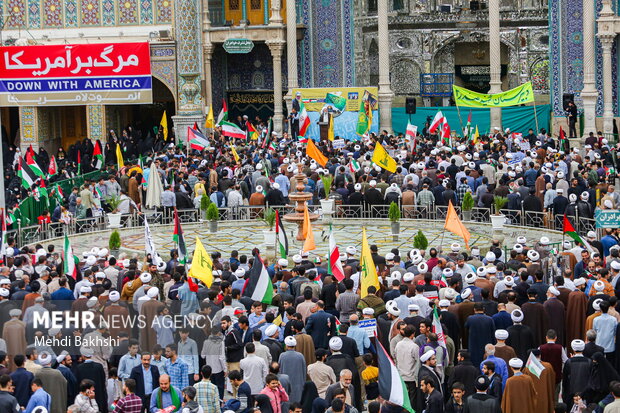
x: 330, y: 129
x: 278, y: 320
x: 314, y: 152
x: 235, y: 154
x: 455, y: 226
x: 210, y: 121
x: 202, y: 266
x: 369, y: 271
x: 383, y: 159
x: 119, y: 156
x: 164, y: 125
x: 476, y: 136
x: 309, y: 244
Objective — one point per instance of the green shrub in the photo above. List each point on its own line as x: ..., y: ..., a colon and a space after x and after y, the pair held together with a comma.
x: 394, y: 212
x: 468, y: 202
x: 204, y: 202
x: 419, y: 241
x: 327, y: 184
x: 114, y: 243
x: 270, y: 217
x: 212, y: 212
x: 499, y: 202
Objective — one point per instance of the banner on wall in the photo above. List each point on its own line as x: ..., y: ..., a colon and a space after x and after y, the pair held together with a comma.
x: 75, y: 74
x: 513, y: 97
x: 342, y: 103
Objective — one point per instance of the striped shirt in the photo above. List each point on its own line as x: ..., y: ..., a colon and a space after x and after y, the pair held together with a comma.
x: 129, y: 404
x: 208, y: 396
x: 426, y: 198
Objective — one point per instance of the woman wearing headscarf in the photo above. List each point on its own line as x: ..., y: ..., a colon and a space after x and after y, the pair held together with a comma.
x: 601, y: 375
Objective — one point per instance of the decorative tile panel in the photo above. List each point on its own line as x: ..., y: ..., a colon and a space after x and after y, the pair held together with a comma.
x: 128, y: 11
x: 71, y: 13
x: 109, y: 12
x: 52, y: 13
x: 90, y: 13
x: 16, y: 9
x: 27, y: 124
x: 146, y: 11
x: 164, y: 11
x: 95, y: 118
x: 34, y: 14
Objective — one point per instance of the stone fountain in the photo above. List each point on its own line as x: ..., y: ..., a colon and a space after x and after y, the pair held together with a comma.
x: 300, y: 198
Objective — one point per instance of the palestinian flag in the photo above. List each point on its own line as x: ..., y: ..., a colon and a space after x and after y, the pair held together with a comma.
x: 196, y: 127
x: 53, y: 168
x: 232, y: 131
x: 354, y: 166
x: 391, y: 386
x: 179, y: 239
x: 197, y: 140
x: 252, y: 133
x: 445, y: 133
x: 304, y: 120
x: 281, y: 237
x: 258, y: 285
x: 58, y: 194
x: 33, y: 164
x: 467, y: 130
x: 68, y: 259
x: 30, y: 152
x: 534, y: 365
x: 562, y: 138
x: 335, y: 266
x: 268, y: 133
x: 79, y: 163
x: 223, y: 115
x: 98, y: 155
x: 569, y: 230
x: 43, y: 189
x: 25, y: 172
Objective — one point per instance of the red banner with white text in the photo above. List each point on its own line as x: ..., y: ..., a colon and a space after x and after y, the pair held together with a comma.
x: 75, y: 74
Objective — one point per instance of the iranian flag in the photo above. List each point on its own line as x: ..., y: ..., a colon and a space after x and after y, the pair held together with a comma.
x: 354, y: 166
x: 258, y: 285
x: 304, y: 120
x: 58, y: 194
x: 391, y: 386
x: 33, y: 164
x: 411, y: 134
x: 569, y: 230
x: 98, y: 155
x: 4, y: 236
x: 223, y: 115
x: 281, y: 237
x: 25, y: 172
x: 232, y: 131
x: 335, y: 266
x: 197, y: 140
x: 438, y: 120
x: 53, y: 168
x: 68, y: 259
x: 178, y: 238
x: 441, y: 337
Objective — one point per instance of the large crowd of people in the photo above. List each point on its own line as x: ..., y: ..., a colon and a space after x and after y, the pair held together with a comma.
x: 524, y: 329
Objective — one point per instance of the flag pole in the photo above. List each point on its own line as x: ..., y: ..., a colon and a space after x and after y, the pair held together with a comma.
x: 536, y: 116
x: 458, y: 111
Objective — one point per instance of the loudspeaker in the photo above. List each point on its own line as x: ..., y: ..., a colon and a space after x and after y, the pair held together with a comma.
x: 410, y: 106
x: 567, y: 97
x: 474, y: 5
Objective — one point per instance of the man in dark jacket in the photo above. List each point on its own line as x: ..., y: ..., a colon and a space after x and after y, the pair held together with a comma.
x: 434, y: 400
x: 274, y: 196
x: 481, y: 402
x: 373, y: 195
x: 321, y: 326
x: 146, y: 378
x: 575, y: 373
x: 464, y: 372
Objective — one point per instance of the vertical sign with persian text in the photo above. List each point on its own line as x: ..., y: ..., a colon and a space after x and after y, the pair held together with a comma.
x: 75, y: 74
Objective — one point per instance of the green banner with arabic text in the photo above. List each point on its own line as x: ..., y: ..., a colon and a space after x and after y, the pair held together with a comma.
x: 513, y: 97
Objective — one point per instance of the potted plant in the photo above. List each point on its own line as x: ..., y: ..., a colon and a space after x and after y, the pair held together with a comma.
x: 114, y: 243
x: 270, y: 235
x: 213, y: 214
x: 327, y: 205
x: 394, y: 216
x: 114, y: 218
x: 467, y: 205
x: 420, y: 241
x: 204, y: 204
x: 497, y: 218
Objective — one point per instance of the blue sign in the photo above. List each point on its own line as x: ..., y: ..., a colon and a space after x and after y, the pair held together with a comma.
x: 370, y: 325
x: 607, y: 218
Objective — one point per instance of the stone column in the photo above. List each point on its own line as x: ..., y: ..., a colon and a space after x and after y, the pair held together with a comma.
x: 385, y: 92
x: 589, y: 93
x: 207, y: 48
x: 607, y: 41
x: 495, y: 57
x: 291, y: 50
x: 276, y: 17
x: 276, y: 47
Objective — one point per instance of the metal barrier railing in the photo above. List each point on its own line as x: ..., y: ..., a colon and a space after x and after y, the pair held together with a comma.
x: 38, y: 233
